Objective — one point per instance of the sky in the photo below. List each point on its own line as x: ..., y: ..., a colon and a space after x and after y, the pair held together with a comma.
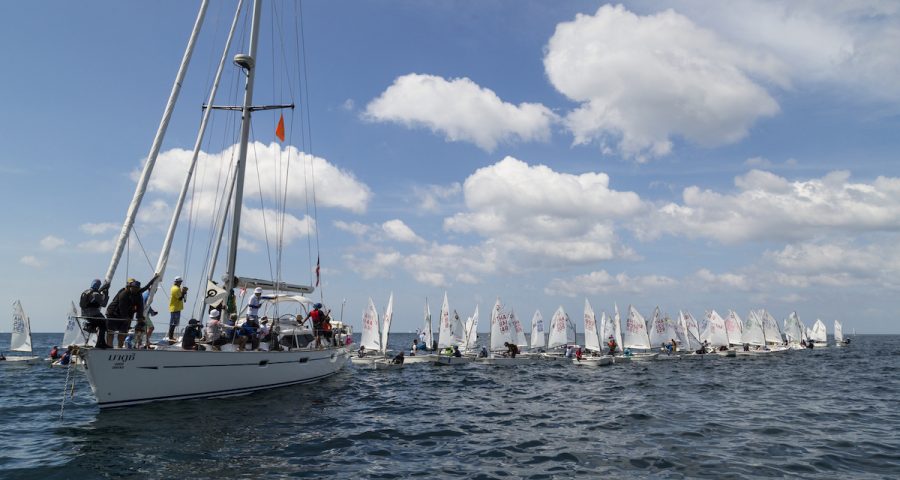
x: 691, y: 155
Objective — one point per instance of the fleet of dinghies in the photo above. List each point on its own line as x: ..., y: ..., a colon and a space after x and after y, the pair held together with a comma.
x: 662, y: 337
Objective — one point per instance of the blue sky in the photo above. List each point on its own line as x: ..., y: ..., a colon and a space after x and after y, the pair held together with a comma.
x: 691, y: 155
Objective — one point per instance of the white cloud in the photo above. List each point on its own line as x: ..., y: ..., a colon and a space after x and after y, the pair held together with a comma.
x: 276, y: 166
x: 542, y: 216
x: 461, y: 111
x: 849, y: 46
x: 601, y: 282
x: 52, y: 243
x: 99, y: 228
x: 380, y: 265
x: 269, y: 225
x: 355, y: 228
x: 399, y: 231
x: 758, y: 162
x: 432, y: 198
x: 31, y: 261
x: 722, y: 281
x: 766, y: 206
x: 642, y: 80
x: 98, y: 246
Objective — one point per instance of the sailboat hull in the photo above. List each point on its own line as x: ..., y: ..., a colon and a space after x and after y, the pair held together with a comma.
x: 23, y: 360
x: 593, y: 361
x: 120, y: 378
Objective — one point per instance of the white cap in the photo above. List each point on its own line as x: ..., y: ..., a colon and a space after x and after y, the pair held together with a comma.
x: 178, y: 279
x: 214, y: 314
x: 257, y: 290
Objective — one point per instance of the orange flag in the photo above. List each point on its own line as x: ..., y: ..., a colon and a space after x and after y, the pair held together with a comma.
x: 279, y: 130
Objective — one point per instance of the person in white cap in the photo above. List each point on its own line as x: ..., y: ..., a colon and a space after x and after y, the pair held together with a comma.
x: 214, y: 334
x: 176, y: 305
x: 254, y: 303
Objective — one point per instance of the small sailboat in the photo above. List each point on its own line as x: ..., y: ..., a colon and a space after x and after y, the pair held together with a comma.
x: 562, y: 334
x: 635, y: 337
x: 452, y: 335
x: 818, y: 335
x: 839, y: 335
x: 20, y: 338
x: 426, y: 337
x: 370, y: 339
x: 387, y: 363
x: 595, y: 358
x: 714, y: 334
x: 505, y: 329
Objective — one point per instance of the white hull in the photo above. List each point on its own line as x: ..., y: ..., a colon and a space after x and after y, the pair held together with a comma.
x: 643, y: 357
x: 420, y: 358
x: 130, y: 377
x: 448, y: 360
x: 386, y: 364
x: 506, y: 360
x: 621, y: 359
x: 368, y: 360
x: 23, y: 360
x: 593, y: 361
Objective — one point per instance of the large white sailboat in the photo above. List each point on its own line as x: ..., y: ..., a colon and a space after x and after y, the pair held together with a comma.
x: 128, y: 377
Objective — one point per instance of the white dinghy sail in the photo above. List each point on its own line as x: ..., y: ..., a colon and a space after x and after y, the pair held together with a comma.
x: 838, y: 334
x: 818, y: 335
x: 538, y: 340
x: 20, y: 336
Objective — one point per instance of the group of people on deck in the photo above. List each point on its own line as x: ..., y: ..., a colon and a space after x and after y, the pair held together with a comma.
x: 128, y: 310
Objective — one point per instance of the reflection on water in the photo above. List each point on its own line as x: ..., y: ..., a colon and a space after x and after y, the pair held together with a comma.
x: 823, y: 414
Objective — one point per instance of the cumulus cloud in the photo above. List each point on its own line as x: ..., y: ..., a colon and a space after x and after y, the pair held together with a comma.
x: 708, y: 280
x: 276, y: 166
x: 431, y: 198
x: 379, y: 265
x: 98, y: 246
x: 595, y: 283
x: 31, y: 261
x: 849, y: 46
x: 548, y: 216
x: 399, y: 231
x: 642, y: 80
x: 460, y: 110
x: 767, y: 206
x: 356, y: 228
x: 99, y: 228
x: 52, y: 243
x: 268, y: 225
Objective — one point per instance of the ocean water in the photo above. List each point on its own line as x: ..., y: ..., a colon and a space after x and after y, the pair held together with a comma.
x: 829, y: 413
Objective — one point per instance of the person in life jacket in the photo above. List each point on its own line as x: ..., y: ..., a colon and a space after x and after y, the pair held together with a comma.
x: 317, y: 322
x: 92, y: 300
x: 54, y: 353
x: 612, y: 345
x: 125, y: 306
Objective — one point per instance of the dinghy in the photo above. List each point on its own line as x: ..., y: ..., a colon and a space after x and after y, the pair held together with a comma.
x: 20, y: 339
x: 422, y: 356
x: 818, y: 335
x: 594, y: 352
x: 635, y: 337
x: 838, y: 334
x: 370, y: 337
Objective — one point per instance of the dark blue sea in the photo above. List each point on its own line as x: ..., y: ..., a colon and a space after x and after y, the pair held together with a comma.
x: 829, y: 413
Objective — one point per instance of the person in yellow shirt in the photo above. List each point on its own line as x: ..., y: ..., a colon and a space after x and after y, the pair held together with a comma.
x: 176, y: 305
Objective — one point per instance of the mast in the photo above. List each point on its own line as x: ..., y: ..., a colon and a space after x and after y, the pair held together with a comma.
x: 247, y: 62
x: 170, y: 234
x: 154, y: 148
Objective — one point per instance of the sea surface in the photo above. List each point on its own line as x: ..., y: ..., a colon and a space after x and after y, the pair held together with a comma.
x: 829, y: 413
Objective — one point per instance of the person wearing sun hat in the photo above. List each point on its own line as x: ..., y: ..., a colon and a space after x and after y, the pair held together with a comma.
x: 176, y: 305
